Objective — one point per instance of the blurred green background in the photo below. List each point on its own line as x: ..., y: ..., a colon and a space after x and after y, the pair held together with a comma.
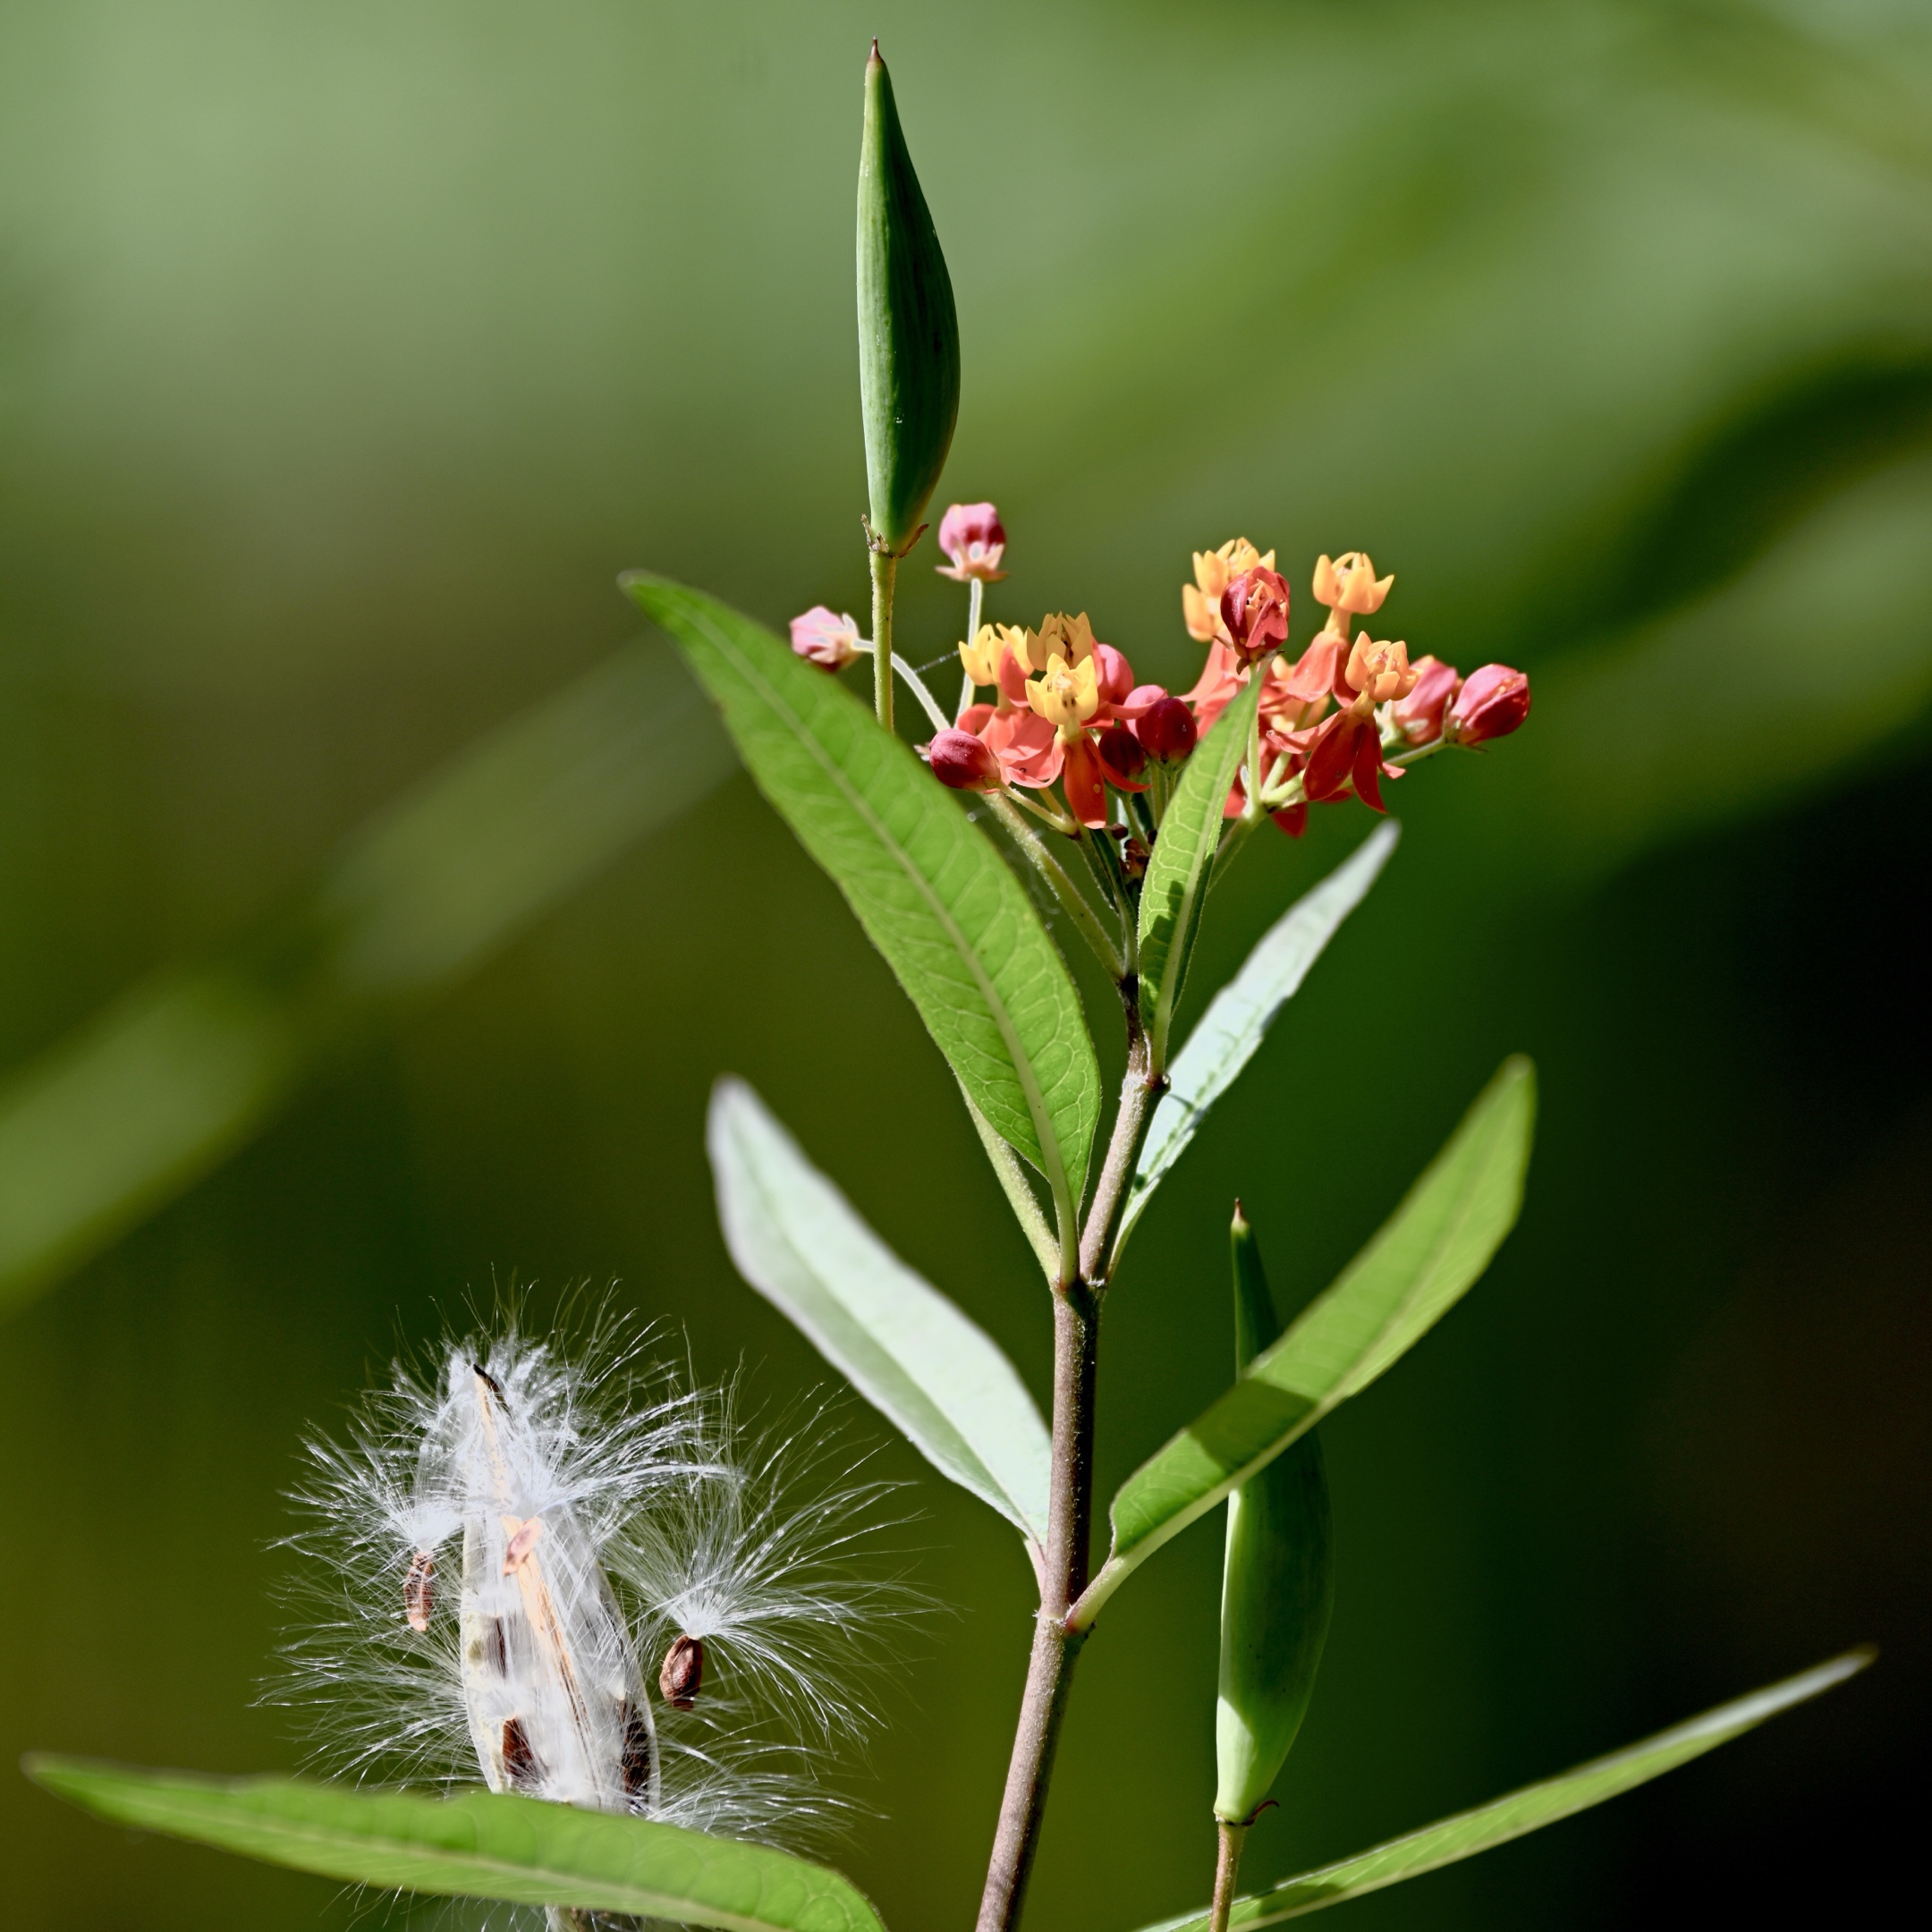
x: 347, y: 354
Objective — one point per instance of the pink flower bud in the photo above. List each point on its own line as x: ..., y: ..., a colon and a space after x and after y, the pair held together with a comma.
x: 1419, y: 717
x: 1116, y: 674
x: 966, y: 763
x: 1254, y: 607
x: 826, y: 637
x: 973, y: 536
x: 1493, y: 702
x: 1167, y: 729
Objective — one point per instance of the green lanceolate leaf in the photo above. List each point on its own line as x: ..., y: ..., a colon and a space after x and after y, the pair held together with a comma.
x: 1528, y: 1809
x: 1427, y: 1255
x: 1176, y: 888
x: 1277, y: 1580
x: 481, y: 1845
x: 909, y: 352
x: 931, y: 892
x: 942, y: 1380
x: 1237, y: 1020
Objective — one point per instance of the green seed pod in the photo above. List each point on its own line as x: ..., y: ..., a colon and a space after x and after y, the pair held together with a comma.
x: 909, y: 361
x: 1277, y: 1586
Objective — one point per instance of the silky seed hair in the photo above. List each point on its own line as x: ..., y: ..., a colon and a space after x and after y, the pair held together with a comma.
x: 511, y: 1546
x: 776, y: 1564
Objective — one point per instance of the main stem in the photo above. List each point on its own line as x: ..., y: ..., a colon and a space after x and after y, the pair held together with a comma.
x: 1227, y: 1864
x: 1070, y: 1509
x: 884, y: 573
x: 1050, y: 1668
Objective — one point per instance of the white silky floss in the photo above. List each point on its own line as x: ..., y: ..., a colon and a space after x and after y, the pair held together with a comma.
x: 508, y: 1547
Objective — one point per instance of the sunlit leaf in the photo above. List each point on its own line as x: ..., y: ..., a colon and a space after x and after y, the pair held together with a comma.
x: 481, y: 1845
x: 1425, y: 1256
x: 908, y: 1349
x: 1238, y: 1019
x: 1176, y: 888
x: 933, y: 894
x: 1525, y: 1810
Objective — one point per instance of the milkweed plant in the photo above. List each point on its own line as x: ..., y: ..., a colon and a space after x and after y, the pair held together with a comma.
x: 578, y: 1635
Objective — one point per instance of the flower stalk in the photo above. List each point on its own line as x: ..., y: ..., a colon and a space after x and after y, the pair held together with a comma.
x: 1067, y: 895
x: 884, y: 573
x: 1229, y: 1841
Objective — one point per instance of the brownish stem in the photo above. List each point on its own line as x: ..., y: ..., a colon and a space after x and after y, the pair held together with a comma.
x: 1137, y: 1096
x: 1227, y: 1863
x: 1050, y: 1669
x: 1069, y: 1509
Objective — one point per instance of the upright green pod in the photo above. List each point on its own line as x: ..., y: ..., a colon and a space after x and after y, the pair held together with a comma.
x: 1277, y: 1585
x: 908, y: 359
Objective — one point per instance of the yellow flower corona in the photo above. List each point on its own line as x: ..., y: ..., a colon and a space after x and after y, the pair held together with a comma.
x: 1067, y: 696
x: 980, y: 658
x: 1381, y: 672
x: 1349, y: 583
x: 1070, y: 638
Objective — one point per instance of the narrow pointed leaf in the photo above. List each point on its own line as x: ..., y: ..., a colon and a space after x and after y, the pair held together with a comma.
x: 1427, y: 1255
x: 910, y: 1352
x: 1176, y: 888
x: 1242, y: 1012
x: 928, y: 885
x: 481, y: 1845
x: 1526, y: 1810
x: 908, y: 347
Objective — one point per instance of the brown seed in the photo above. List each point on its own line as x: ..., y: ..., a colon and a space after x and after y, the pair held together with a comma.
x: 519, y: 1761
x: 636, y: 1751
x: 682, y: 1673
x: 419, y: 1590
x: 522, y: 1541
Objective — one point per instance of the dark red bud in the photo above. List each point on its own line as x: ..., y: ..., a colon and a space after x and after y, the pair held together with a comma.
x: 966, y: 763
x: 1121, y: 752
x: 1254, y: 609
x: 1492, y: 703
x: 1167, y: 729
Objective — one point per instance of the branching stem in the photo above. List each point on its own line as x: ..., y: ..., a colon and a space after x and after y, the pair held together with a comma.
x: 1070, y: 1513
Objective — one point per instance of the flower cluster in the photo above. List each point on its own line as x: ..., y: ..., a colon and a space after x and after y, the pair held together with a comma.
x: 1055, y: 707
x: 1063, y: 709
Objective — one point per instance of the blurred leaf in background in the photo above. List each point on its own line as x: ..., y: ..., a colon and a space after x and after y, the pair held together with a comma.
x: 345, y: 357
